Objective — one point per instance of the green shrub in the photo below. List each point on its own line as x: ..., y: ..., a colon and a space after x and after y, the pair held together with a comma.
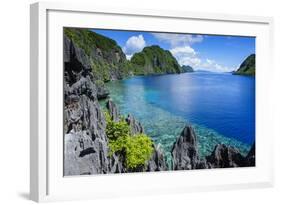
x: 116, y: 130
x: 137, y: 149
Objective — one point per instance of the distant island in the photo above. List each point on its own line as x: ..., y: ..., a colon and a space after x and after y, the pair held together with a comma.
x: 155, y: 60
x: 248, y: 66
x: 187, y: 69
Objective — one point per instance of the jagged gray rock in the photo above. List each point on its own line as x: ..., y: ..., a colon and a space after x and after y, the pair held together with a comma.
x: 83, y: 156
x: 76, y: 62
x: 117, y: 162
x: 135, y: 126
x: 185, y: 152
x: 250, y: 158
x: 102, y: 92
x: 113, y: 110
x: 157, y: 161
x: 86, y: 144
x: 225, y: 156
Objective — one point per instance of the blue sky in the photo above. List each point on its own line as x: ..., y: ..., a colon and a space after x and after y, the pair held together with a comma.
x: 202, y: 52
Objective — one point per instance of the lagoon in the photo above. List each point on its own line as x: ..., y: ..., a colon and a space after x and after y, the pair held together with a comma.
x: 220, y: 107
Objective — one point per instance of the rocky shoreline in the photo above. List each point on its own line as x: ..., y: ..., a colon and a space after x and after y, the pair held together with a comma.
x: 86, y: 145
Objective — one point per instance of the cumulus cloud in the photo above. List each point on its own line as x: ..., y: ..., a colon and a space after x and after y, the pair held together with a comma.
x: 134, y: 44
x: 178, y: 39
x: 186, y: 55
x: 213, y: 66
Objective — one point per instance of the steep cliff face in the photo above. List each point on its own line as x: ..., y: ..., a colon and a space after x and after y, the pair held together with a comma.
x: 105, y: 58
x: 154, y: 60
x: 85, y: 150
x: 248, y: 67
x: 86, y: 145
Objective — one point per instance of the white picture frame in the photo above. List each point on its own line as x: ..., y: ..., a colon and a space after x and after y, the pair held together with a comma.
x: 46, y: 177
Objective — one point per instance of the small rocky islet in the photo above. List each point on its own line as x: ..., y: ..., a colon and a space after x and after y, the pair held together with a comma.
x: 90, y: 60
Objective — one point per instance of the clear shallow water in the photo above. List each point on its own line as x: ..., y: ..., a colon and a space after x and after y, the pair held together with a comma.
x: 221, y: 107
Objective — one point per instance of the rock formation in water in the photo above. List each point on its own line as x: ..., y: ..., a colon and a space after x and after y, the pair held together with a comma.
x: 135, y: 126
x: 187, y: 69
x: 185, y: 151
x: 185, y: 154
x: 248, y: 66
x: 155, y: 60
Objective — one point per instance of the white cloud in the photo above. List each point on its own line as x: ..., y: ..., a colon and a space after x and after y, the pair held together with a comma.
x: 178, y: 39
x: 186, y: 55
x: 212, y: 65
x: 180, y: 48
x: 134, y: 44
x: 129, y: 56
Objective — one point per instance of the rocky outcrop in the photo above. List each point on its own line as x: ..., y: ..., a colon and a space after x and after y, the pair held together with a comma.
x: 251, y: 157
x: 187, y: 69
x: 248, y: 66
x: 157, y: 161
x: 185, y: 151
x: 84, y: 156
x: 185, y: 154
x: 106, y: 59
x: 102, y: 92
x: 225, y: 156
x: 135, y: 126
x: 86, y: 149
x: 155, y: 60
x: 112, y: 110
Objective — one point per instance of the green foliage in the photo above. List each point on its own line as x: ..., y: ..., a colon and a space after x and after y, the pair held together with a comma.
x: 138, y: 59
x: 106, y: 57
x: 108, y: 61
x: 88, y: 40
x: 154, y: 59
x: 137, y: 149
x: 187, y: 69
x: 114, y: 130
x: 99, y: 83
x: 248, y: 67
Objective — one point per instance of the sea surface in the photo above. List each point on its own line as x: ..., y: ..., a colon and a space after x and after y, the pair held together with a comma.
x: 220, y: 107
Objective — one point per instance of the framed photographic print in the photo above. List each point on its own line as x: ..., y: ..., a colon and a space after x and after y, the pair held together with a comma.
x: 151, y: 101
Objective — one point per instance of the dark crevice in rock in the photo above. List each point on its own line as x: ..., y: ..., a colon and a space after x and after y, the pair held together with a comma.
x: 84, y: 152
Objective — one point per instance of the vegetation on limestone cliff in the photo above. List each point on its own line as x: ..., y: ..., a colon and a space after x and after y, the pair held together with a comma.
x: 154, y: 60
x: 136, y: 148
x: 248, y: 67
x: 107, y: 60
x: 187, y: 69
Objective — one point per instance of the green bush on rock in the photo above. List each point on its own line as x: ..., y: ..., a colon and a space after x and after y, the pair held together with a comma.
x: 115, y: 130
x: 137, y: 149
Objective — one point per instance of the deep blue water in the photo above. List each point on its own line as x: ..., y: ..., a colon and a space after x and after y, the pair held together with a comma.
x: 221, y: 107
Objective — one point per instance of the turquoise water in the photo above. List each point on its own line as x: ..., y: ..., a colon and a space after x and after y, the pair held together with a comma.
x: 165, y: 104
